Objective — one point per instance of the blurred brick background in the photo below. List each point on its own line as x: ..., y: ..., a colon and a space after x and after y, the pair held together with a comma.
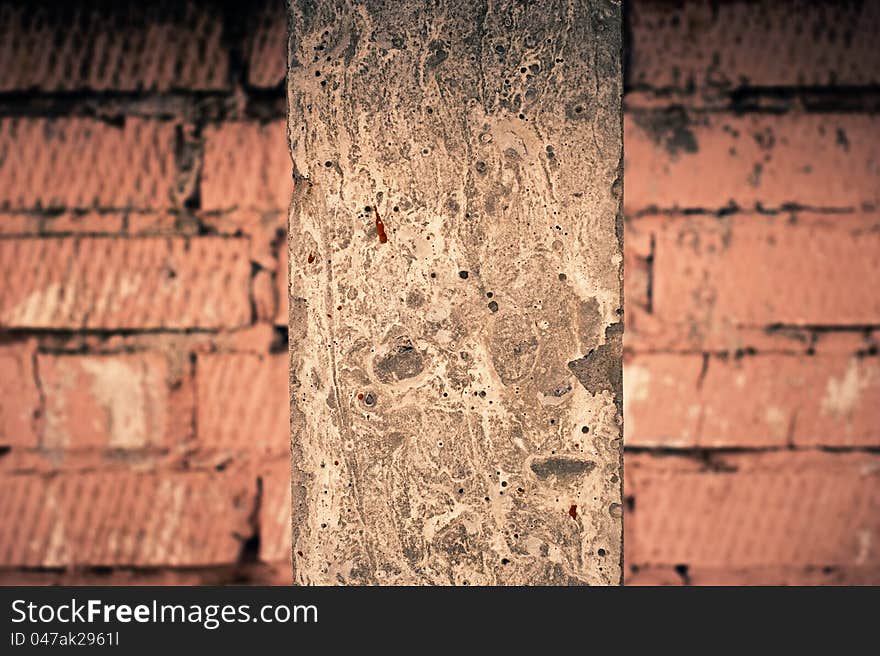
x: 144, y: 180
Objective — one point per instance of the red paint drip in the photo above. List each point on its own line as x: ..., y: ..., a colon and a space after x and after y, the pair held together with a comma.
x: 380, y: 227
x: 573, y: 511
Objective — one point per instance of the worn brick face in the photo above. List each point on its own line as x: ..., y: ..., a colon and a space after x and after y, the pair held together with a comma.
x: 18, y: 224
x: 263, y: 290
x: 243, y: 404
x: 754, y: 401
x: 123, y: 518
x: 711, y: 161
x: 114, y: 402
x: 266, y: 45
x: 275, y: 527
x: 246, y: 166
x: 130, y: 46
x: 710, y: 283
x: 266, y: 230
x: 659, y: 399
x: 712, y: 46
x: 759, y: 270
x: 19, y: 396
x: 103, y: 283
x: 83, y: 163
x: 754, y: 511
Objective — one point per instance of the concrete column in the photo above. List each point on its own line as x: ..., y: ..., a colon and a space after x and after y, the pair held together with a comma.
x: 456, y: 291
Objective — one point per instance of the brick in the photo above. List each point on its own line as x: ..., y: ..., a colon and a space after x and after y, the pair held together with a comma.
x: 132, y: 46
x: 266, y: 230
x: 638, y: 264
x: 130, y: 401
x: 19, y: 395
x: 242, y: 402
x: 275, y: 521
x: 117, y: 283
x: 792, y: 509
x: 280, y: 574
x: 661, y: 399
x: 258, y: 339
x: 264, y: 292
x: 265, y: 45
x: 714, y: 47
x: 246, y: 166
x: 712, y: 161
x: 19, y: 224
x: 123, y: 518
x: 79, y: 163
x: 754, y: 401
x: 799, y: 270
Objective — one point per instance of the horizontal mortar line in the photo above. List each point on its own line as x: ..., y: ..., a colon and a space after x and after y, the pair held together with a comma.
x: 741, y: 354
x: 700, y: 451
x: 233, y: 209
x: 109, y: 452
x: 781, y: 327
x: 22, y: 332
x: 127, y: 236
x: 158, y: 469
x: 58, y: 211
x: 633, y: 107
x: 87, y: 569
x: 737, y: 210
x: 31, y: 94
x: 55, y: 341
x: 846, y: 98
x: 711, y: 99
x: 52, y: 211
x: 783, y: 330
x: 232, y: 212
x: 185, y: 449
x: 819, y: 327
x: 111, y: 107
x: 643, y: 566
x: 779, y: 89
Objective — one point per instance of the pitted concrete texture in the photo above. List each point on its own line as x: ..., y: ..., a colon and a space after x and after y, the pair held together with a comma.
x: 455, y: 292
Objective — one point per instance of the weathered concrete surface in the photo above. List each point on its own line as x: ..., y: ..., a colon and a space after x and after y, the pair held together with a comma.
x: 456, y: 303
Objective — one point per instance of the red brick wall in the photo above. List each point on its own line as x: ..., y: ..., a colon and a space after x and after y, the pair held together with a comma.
x: 752, y: 382
x: 144, y: 181
x: 143, y: 184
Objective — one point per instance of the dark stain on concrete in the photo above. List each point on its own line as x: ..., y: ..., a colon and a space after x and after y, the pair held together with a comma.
x: 600, y: 369
x: 561, y: 467
x: 402, y: 361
